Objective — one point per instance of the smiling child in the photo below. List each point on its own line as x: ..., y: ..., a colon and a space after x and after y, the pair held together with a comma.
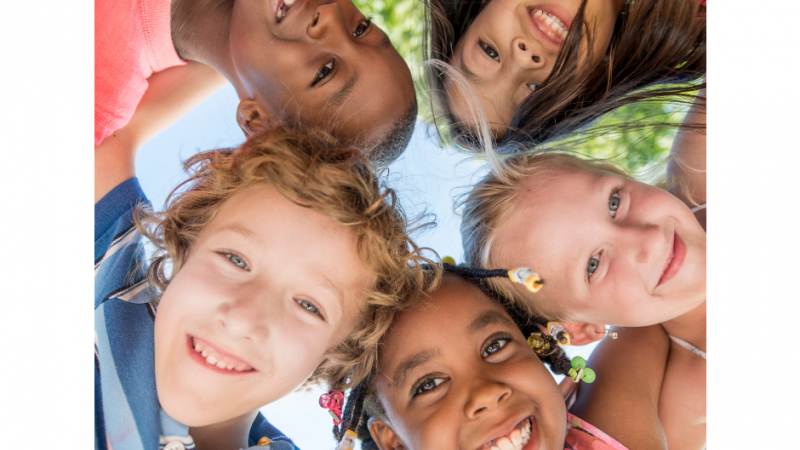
x: 297, y: 62
x: 271, y: 261
x: 615, y: 251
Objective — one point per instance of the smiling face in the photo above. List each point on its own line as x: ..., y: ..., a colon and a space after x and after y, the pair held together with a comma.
x: 511, y: 47
x: 267, y: 288
x: 611, y: 250
x: 468, y: 382
x: 322, y: 61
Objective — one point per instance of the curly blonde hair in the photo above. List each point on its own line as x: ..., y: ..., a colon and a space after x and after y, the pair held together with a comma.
x: 488, y: 204
x: 311, y: 169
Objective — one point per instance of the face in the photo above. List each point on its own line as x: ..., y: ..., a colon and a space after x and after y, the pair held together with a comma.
x: 611, y: 250
x: 322, y: 61
x: 510, y: 48
x: 267, y: 288
x: 468, y: 382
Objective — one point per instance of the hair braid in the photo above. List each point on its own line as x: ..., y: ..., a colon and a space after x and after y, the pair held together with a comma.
x: 352, y: 411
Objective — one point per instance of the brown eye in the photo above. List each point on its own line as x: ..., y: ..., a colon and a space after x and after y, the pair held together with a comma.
x: 362, y: 27
x: 490, y: 52
x: 323, y: 72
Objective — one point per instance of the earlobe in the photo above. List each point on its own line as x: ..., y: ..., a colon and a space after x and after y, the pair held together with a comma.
x: 584, y: 333
x: 383, y: 435
x: 251, y: 117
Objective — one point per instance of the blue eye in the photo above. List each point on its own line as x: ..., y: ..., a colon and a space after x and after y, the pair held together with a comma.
x: 308, y: 306
x: 613, y: 203
x: 237, y: 261
x: 592, y: 266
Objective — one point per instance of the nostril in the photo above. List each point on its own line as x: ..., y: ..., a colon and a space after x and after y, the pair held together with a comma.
x: 535, y: 59
x: 316, y: 18
x: 522, y: 46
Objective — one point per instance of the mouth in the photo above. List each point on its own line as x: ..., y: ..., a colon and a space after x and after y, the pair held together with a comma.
x: 675, y: 260
x: 516, y: 439
x: 552, y: 27
x: 282, y: 8
x: 216, y: 359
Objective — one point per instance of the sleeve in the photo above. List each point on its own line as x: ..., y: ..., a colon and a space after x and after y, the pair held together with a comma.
x: 262, y: 428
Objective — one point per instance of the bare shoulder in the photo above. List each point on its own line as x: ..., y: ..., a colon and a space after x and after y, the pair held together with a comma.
x: 682, y: 406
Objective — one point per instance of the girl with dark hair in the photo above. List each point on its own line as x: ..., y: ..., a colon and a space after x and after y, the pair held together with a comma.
x: 475, y: 381
x: 515, y: 73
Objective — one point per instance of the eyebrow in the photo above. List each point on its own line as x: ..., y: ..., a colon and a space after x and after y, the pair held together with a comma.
x: 238, y: 229
x: 489, y: 318
x: 411, y: 363
x: 338, y: 97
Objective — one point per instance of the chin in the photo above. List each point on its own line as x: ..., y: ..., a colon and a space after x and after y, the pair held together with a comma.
x: 189, y: 408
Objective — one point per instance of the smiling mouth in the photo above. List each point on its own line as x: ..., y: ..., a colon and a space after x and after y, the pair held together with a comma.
x: 673, y: 264
x: 282, y: 9
x: 514, y: 440
x: 550, y: 25
x: 216, y: 358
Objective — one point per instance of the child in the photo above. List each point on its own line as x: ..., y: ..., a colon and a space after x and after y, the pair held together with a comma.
x: 473, y: 381
x: 507, y: 72
x: 291, y: 61
x: 616, y: 251
x: 271, y: 263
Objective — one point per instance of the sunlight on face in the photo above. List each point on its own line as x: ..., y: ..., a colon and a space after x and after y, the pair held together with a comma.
x: 511, y: 47
x: 267, y: 288
x: 612, y: 250
x: 466, y: 381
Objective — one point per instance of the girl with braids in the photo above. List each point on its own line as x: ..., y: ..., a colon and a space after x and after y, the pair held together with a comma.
x: 517, y: 73
x: 615, y: 252
x: 271, y: 261
x: 472, y: 381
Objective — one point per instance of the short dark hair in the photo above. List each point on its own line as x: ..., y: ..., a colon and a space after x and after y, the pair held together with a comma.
x: 392, y: 145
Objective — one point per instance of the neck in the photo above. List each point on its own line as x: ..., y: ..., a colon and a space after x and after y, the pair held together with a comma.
x: 691, y: 327
x: 229, y: 435
x: 201, y: 30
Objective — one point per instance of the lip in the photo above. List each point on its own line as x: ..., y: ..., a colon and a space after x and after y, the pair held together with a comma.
x: 675, y: 264
x: 198, y: 358
x: 555, y: 10
x: 277, y: 5
x: 508, y: 426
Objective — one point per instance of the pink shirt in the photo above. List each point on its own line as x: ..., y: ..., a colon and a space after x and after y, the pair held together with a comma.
x: 582, y: 435
x: 132, y: 41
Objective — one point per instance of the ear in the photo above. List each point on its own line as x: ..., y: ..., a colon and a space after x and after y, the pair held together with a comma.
x: 584, y: 333
x: 383, y: 435
x: 252, y: 117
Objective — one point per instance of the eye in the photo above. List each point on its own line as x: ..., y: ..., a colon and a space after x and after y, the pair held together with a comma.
x: 324, y: 71
x: 308, y: 306
x: 237, y: 261
x: 594, y: 261
x: 495, y: 346
x: 490, y: 52
x: 613, y: 203
x: 362, y: 27
x: 426, y: 385
x: 532, y: 87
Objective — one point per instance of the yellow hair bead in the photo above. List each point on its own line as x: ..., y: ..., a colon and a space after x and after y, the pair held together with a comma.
x: 348, y: 441
x: 523, y: 275
x: 449, y: 260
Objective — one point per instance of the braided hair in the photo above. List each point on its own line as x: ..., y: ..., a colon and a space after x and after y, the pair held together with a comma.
x: 362, y: 403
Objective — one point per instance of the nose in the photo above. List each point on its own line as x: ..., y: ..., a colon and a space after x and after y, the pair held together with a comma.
x: 485, y: 397
x: 243, y: 315
x: 327, y: 20
x: 645, y: 241
x: 527, y: 54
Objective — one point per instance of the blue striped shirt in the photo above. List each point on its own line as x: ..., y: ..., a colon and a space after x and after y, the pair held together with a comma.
x: 128, y: 415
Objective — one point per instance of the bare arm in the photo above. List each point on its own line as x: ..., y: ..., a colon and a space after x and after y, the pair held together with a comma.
x: 170, y: 94
x: 688, y: 156
x: 623, y: 400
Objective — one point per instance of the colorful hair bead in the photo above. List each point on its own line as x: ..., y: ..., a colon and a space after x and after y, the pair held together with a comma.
x: 348, y: 441
x: 333, y: 402
x: 449, y: 260
x: 559, y: 333
x: 579, y: 371
x: 523, y: 275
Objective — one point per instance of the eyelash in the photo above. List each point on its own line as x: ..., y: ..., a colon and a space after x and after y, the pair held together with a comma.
x: 367, y: 21
x: 613, y: 193
x: 231, y: 255
x: 485, y: 47
x: 503, y: 337
x: 311, y: 305
x: 596, y: 257
x: 416, y: 390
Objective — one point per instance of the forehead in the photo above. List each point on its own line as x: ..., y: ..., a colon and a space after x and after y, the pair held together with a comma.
x: 422, y: 327
x: 298, y: 237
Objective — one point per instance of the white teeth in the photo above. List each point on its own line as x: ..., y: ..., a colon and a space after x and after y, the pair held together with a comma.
x: 516, y: 437
x: 281, y: 13
x: 552, y: 22
x: 211, y: 360
x: 204, y: 353
x: 505, y: 444
x: 288, y: 2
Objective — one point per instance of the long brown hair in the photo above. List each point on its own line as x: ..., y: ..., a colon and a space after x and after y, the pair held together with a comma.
x: 657, y: 52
